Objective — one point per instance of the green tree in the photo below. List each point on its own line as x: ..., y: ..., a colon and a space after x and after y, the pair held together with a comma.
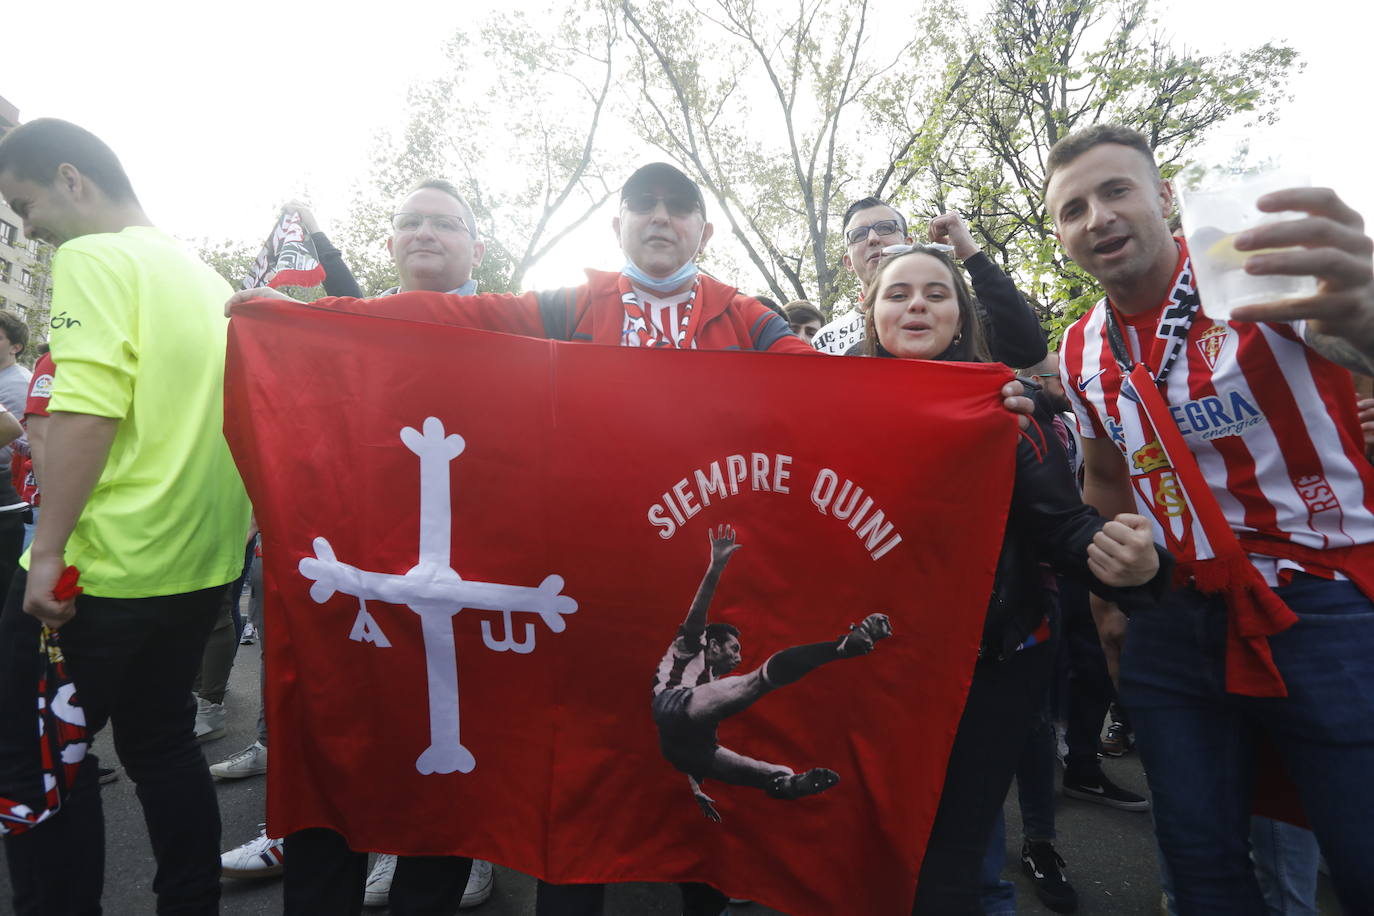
x: 767, y: 108
x: 231, y: 260
x: 1040, y: 69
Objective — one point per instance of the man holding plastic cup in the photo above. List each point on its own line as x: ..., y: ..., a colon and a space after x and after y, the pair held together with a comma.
x: 1240, y: 439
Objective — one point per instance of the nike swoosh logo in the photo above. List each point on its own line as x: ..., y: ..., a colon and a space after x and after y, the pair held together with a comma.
x: 1096, y: 790
x: 1083, y: 385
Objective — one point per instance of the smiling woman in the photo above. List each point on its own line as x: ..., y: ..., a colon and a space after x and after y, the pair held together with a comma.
x: 916, y: 307
x: 920, y: 308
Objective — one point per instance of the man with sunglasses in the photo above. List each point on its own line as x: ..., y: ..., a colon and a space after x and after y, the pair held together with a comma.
x: 1013, y: 332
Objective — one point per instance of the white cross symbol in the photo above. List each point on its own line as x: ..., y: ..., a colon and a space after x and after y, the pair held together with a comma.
x: 437, y: 593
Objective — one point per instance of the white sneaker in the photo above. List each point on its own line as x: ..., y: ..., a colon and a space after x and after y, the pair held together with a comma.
x: 260, y: 857
x: 480, y: 882
x: 210, y: 718
x: 250, y: 633
x: 379, y: 881
x: 251, y: 761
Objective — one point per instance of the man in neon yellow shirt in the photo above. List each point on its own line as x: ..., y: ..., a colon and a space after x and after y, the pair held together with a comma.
x: 141, y: 495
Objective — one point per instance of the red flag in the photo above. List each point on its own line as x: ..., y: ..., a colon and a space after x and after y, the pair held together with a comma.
x: 479, y: 549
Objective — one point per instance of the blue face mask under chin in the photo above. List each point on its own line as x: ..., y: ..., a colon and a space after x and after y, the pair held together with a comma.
x: 683, y: 275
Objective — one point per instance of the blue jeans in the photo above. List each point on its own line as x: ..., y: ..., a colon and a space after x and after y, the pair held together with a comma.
x: 1197, y: 741
x: 1285, y: 857
x: 998, y: 895
x: 1035, y: 781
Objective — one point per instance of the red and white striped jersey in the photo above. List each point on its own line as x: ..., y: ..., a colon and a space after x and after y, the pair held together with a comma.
x: 1271, y: 422
x: 683, y: 665
x: 662, y: 316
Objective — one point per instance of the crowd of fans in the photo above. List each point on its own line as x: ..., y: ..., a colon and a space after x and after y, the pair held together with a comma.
x: 1207, y: 603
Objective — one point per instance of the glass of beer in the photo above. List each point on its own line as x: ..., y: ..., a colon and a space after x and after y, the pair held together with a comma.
x: 1214, y: 213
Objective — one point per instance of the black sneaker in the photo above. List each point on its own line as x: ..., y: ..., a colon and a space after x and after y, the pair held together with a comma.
x: 1045, y: 868
x: 1118, y: 741
x: 800, y: 785
x: 107, y: 775
x: 1102, y: 790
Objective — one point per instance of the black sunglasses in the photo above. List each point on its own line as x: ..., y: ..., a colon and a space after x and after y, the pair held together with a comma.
x: 677, y: 204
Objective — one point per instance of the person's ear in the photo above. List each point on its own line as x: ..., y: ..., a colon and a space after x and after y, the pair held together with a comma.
x: 706, y: 232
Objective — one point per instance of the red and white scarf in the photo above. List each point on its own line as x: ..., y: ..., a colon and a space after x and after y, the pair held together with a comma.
x: 639, y: 331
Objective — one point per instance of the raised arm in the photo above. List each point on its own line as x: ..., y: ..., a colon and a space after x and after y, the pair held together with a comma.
x: 1014, y: 334
x: 338, y: 279
x: 722, y: 546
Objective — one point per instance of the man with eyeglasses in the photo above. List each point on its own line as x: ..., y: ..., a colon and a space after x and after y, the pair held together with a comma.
x: 1013, y: 332
x: 434, y: 241
x: 435, y: 245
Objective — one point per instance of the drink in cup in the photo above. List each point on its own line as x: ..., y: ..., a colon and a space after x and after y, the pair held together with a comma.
x: 1212, y: 218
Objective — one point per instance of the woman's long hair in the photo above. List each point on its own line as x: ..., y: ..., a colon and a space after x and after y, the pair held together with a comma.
x: 969, y: 345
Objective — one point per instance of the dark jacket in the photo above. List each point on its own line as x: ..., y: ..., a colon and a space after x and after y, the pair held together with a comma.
x: 1048, y: 522
x: 338, y: 279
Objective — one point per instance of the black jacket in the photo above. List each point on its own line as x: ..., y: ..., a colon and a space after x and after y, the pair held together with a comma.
x: 338, y: 279
x: 1048, y: 522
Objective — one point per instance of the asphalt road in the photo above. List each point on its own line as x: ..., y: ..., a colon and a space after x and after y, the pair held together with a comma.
x: 1110, y: 853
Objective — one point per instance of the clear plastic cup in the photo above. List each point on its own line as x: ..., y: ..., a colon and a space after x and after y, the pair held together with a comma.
x: 1212, y: 217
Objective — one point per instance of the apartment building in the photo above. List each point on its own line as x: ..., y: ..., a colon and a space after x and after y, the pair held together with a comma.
x: 25, y: 285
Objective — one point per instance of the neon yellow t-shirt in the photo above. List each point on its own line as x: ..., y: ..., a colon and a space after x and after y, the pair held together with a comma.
x: 138, y: 334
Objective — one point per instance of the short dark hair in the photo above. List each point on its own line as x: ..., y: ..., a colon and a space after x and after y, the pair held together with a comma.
x: 970, y: 345
x: 768, y: 303
x: 1073, y: 145
x: 799, y: 311
x: 867, y: 202
x: 449, y: 188
x: 14, y: 328
x: 34, y: 150
x: 719, y: 632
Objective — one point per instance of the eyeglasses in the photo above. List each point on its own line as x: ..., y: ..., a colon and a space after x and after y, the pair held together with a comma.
x: 410, y: 222
x: 882, y: 227
x: 677, y: 204
x: 1044, y: 375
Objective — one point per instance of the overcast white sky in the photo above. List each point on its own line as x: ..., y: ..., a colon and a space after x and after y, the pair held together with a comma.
x: 220, y: 112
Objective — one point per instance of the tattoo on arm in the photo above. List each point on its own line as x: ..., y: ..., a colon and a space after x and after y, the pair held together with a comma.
x: 1341, y: 352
